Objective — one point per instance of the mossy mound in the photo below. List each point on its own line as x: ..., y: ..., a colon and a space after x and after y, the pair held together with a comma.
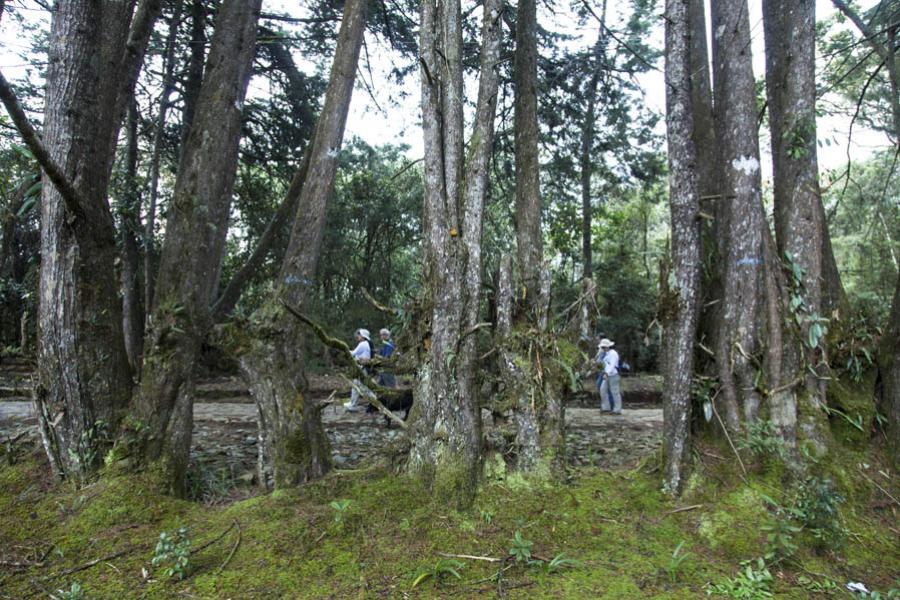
x: 618, y: 526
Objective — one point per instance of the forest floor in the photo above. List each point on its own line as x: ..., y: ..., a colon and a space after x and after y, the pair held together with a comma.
x: 606, y: 532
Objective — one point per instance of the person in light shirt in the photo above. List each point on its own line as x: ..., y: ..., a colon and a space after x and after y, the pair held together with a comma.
x: 362, y: 354
x: 610, y: 386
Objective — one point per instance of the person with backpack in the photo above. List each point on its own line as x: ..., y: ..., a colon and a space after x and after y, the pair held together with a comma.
x: 362, y: 354
x: 610, y: 389
x: 386, y: 378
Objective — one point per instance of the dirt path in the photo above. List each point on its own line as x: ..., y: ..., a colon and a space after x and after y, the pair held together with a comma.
x: 228, y: 430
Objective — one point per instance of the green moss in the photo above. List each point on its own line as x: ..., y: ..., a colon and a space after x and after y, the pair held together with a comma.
x: 620, y: 526
x: 854, y: 410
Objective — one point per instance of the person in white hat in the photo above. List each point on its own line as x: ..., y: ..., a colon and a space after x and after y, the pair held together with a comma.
x: 609, y: 387
x: 363, y: 354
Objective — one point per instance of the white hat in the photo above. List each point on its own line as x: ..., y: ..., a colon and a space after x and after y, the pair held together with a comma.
x: 606, y: 343
x: 364, y: 333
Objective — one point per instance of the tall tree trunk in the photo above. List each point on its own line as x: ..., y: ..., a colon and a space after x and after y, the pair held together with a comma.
x: 799, y: 228
x: 528, y: 193
x: 712, y: 200
x: 446, y: 421
x: 684, y: 298
x: 741, y: 224
x: 132, y: 305
x: 168, y: 86
x: 193, y: 248
x: 540, y: 434
x: 83, y: 381
x: 588, y: 287
x: 293, y: 447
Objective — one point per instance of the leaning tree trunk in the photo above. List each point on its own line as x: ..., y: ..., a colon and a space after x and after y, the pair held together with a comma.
x: 293, y: 447
x: 445, y: 430
x: 193, y: 248
x: 83, y: 380
x: 799, y: 228
x: 741, y: 225
x: 683, y: 302
x: 168, y: 86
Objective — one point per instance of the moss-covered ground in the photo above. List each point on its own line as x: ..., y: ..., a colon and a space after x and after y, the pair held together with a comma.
x: 618, y: 525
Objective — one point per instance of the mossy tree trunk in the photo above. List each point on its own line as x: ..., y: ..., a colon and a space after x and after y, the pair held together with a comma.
x: 799, y: 226
x: 527, y: 347
x: 83, y: 381
x: 193, y: 249
x: 445, y: 431
x: 293, y: 446
x: 681, y: 324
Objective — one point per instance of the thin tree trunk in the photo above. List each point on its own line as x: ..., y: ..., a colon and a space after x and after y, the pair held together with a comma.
x: 446, y: 421
x: 83, y: 381
x: 588, y: 287
x: 193, y: 248
x: 168, y: 85
x: 132, y: 306
x: 741, y: 227
x: 293, y: 448
x: 685, y: 295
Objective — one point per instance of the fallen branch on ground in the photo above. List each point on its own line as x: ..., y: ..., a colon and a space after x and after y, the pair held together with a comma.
x: 97, y: 561
x: 469, y: 556
x: 213, y: 541
x: 233, y: 549
x: 684, y: 509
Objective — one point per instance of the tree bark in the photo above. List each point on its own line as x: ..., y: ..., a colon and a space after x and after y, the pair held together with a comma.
x: 446, y: 420
x: 132, y: 305
x: 799, y: 227
x: 83, y: 381
x: 193, y: 248
x: 741, y: 225
x: 194, y: 76
x: 528, y: 193
x: 293, y: 448
x: 683, y: 198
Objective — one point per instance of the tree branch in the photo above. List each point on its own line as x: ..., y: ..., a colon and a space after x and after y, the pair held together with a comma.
x: 344, y: 349
x: 72, y: 199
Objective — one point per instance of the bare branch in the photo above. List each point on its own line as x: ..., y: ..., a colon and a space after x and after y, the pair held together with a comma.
x: 72, y: 199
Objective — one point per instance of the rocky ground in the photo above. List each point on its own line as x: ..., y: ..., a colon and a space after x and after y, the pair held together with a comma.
x: 225, y: 433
